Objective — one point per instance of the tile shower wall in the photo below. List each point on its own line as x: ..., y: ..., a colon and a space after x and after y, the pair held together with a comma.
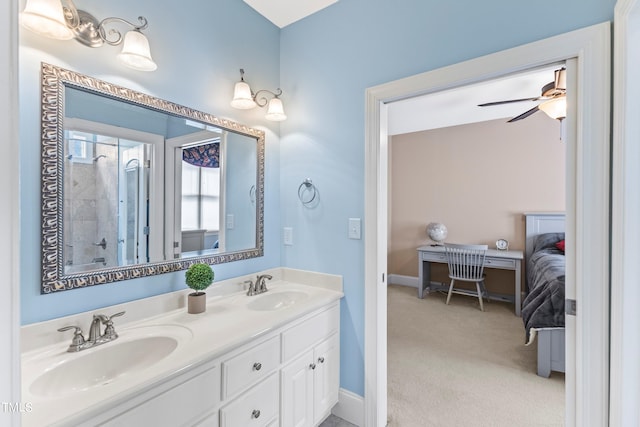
x: 89, y: 210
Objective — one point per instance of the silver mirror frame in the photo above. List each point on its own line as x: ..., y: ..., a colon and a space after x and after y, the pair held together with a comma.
x: 53, y: 82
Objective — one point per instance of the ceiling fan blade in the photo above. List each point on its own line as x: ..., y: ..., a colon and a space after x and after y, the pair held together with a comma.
x: 524, y: 115
x: 509, y: 101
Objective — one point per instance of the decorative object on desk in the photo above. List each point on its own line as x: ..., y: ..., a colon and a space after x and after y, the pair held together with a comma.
x: 502, y: 245
x: 437, y: 232
x: 198, y: 277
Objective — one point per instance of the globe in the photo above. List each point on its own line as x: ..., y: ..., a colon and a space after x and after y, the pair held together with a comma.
x: 437, y: 232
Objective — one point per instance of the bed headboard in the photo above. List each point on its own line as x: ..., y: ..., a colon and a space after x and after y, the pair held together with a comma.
x: 540, y: 223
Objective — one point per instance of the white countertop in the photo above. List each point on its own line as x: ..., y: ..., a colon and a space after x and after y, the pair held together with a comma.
x: 227, y: 324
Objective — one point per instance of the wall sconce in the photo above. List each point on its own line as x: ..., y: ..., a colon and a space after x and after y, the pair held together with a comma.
x: 556, y: 108
x: 53, y: 19
x: 244, y: 99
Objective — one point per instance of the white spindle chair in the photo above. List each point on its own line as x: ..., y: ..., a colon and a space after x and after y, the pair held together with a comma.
x: 466, y: 264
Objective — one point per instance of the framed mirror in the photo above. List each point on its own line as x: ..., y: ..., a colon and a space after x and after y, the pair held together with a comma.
x: 136, y: 186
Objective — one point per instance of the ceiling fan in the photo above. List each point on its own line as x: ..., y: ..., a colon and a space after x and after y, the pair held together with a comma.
x: 553, y: 94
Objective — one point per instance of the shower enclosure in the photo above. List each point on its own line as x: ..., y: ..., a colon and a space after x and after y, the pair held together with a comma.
x: 106, y: 201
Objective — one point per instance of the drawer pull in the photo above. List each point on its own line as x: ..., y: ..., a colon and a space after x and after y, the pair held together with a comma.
x: 312, y: 366
x: 255, y: 413
x: 256, y: 367
x: 320, y: 359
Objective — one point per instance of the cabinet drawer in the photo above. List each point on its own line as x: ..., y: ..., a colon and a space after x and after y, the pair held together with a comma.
x: 256, y: 408
x: 500, y: 263
x: 299, y: 338
x: 250, y: 366
x: 434, y: 256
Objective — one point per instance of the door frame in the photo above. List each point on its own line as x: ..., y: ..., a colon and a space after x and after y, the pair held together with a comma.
x: 625, y: 214
x: 588, y: 187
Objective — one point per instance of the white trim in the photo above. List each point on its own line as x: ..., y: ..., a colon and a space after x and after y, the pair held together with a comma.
x: 350, y: 407
x: 587, y: 206
x: 9, y: 216
x: 625, y: 226
x: 399, y: 279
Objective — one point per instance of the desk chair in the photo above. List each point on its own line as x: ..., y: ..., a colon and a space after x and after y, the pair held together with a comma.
x: 466, y: 264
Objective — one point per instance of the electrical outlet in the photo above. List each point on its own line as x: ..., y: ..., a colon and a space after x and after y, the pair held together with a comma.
x: 287, y: 236
x: 230, y: 222
x: 354, y: 228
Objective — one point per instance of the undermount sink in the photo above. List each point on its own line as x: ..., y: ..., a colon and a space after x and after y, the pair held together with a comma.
x: 276, y: 300
x: 135, y: 350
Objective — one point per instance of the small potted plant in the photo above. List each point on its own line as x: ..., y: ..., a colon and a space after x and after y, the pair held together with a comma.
x: 198, y: 277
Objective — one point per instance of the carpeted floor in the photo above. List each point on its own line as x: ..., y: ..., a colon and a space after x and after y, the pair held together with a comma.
x: 453, y: 365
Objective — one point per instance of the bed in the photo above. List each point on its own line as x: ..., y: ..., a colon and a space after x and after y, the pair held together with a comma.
x: 543, y: 311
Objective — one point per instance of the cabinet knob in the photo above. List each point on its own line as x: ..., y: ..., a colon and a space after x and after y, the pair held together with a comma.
x: 255, y: 413
x: 256, y: 367
x: 320, y: 359
x: 312, y: 366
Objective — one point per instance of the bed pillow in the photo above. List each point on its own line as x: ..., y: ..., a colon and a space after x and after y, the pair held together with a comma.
x: 547, y: 240
x: 560, y: 245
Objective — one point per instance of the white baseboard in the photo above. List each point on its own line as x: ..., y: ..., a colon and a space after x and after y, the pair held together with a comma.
x: 398, y: 279
x: 350, y: 407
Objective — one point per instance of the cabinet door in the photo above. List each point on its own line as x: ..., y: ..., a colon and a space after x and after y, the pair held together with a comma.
x: 297, y: 392
x: 326, y: 377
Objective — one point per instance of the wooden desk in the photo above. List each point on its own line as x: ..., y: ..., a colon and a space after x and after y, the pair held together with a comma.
x: 504, y: 260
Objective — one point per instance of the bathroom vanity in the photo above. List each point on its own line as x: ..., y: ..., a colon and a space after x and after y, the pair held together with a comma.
x: 266, y: 360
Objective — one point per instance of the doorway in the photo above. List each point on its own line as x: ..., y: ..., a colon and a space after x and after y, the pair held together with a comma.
x: 586, y: 52
x: 478, y: 177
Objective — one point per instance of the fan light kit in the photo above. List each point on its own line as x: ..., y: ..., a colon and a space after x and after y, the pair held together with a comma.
x: 554, y: 95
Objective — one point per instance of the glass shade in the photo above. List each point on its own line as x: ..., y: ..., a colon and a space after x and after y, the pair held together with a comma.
x: 46, y: 17
x: 555, y: 108
x: 275, y: 112
x: 242, y: 97
x: 136, y: 53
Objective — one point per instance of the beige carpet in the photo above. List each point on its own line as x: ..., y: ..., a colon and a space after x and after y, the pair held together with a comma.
x: 453, y: 365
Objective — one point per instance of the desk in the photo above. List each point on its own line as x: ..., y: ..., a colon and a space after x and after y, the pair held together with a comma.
x: 504, y: 260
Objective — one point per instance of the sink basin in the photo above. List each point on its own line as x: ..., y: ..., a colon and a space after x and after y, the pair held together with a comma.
x: 276, y: 300
x: 134, y: 351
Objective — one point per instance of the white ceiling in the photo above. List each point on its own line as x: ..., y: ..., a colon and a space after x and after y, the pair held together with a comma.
x: 285, y: 12
x: 460, y: 106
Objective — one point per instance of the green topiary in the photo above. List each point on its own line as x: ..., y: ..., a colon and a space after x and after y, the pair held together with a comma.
x: 199, y: 277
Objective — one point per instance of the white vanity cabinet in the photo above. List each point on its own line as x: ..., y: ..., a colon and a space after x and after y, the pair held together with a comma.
x: 182, y: 401
x: 288, y: 376
x: 310, y: 375
x: 310, y: 385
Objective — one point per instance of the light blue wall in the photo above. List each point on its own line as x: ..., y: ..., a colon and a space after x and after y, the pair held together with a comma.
x: 327, y: 62
x: 199, y: 48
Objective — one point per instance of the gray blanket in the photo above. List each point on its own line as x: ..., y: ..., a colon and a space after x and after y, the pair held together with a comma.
x: 543, y: 306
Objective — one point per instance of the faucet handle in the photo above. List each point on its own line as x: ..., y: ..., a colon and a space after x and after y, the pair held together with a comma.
x: 251, y: 289
x: 78, y: 338
x: 109, y: 330
x: 116, y: 315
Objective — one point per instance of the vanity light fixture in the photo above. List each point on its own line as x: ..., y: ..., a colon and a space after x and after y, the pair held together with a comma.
x: 244, y: 99
x: 61, y: 20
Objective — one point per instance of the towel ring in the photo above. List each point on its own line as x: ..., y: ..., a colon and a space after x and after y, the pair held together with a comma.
x: 252, y: 194
x: 307, y: 185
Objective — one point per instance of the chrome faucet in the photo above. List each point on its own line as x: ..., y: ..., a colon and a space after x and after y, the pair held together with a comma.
x: 259, y: 287
x: 96, y: 337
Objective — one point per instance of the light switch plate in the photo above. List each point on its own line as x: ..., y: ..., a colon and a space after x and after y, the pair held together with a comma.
x: 354, y: 228
x: 287, y: 236
x: 230, y: 222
